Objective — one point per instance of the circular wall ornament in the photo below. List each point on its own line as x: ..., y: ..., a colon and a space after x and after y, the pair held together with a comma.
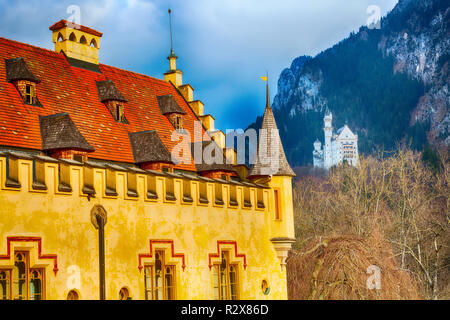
x: 98, y: 210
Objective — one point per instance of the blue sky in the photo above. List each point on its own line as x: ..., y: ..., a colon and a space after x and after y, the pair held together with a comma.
x: 223, y: 46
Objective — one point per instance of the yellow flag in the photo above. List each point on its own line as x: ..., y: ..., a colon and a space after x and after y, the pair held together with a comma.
x: 264, y: 78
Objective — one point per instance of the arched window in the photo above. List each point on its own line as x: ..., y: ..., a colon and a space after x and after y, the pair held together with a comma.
x: 20, y: 277
x: 83, y: 40
x: 73, y: 295
x: 159, y: 279
x: 35, y: 285
x: 72, y: 37
x: 22, y: 282
x: 124, y: 294
x: 93, y: 43
x: 225, y: 280
x: 5, y: 284
x: 60, y: 37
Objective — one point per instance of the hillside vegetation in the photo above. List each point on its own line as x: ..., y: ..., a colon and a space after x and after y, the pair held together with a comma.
x: 392, y: 212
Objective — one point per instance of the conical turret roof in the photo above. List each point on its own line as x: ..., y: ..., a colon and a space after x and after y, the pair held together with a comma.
x: 270, y: 158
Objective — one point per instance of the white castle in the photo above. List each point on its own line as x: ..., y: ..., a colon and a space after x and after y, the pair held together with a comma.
x: 339, y: 147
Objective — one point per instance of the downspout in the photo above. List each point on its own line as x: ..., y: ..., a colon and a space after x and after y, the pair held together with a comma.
x: 101, y: 248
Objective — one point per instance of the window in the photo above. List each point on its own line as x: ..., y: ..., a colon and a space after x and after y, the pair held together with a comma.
x: 119, y: 113
x: 225, y: 279
x: 5, y: 284
x: 22, y: 282
x: 178, y: 123
x: 78, y: 157
x: 30, y: 94
x: 72, y: 37
x: 93, y: 43
x: 124, y: 294
x: 276, y: 200
x: 159, y: 279
x: 83, y: 40
x: 73, y: 295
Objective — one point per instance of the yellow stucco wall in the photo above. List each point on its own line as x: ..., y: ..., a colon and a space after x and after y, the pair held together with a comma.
x: 63, y: 222
x: 75, y: 49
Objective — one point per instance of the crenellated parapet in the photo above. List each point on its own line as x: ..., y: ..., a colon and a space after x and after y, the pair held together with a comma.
x: 22, y: 172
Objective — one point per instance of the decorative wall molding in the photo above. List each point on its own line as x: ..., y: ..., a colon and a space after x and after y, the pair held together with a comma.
x: 236, y: 254
x: 150, y: 254
x: 30, y: 239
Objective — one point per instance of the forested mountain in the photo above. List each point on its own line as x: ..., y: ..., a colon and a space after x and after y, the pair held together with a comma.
x: 388, y: 84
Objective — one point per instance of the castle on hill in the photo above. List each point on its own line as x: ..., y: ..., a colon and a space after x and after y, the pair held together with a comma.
x: 340, y: 147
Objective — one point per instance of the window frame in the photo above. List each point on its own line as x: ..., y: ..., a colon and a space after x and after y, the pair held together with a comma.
x: 151, y: 289
x: 28, y: 278
x: 179, y: 122
x: 8, y: 272
x: 30, y: 97
x: 216, y: 269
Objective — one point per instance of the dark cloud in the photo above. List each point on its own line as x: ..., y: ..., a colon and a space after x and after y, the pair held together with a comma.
x: 223, y: 46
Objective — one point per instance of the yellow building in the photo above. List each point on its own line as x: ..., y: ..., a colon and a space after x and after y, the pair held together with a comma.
x: 94, y: 204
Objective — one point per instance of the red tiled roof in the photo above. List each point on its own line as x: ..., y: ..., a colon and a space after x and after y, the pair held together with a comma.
x: 64, y: 23
x: 64, y: 88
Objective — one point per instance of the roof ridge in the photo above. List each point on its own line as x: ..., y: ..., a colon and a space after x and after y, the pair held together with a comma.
x: 29, y: 45
x: 135, y: 73
x: 52, y: 52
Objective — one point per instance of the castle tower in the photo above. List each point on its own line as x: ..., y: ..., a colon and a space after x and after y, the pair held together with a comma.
x: 271, y: 167
x: 328, y: 130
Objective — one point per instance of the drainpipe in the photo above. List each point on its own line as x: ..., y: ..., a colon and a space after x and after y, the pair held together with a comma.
x: 101, y: 247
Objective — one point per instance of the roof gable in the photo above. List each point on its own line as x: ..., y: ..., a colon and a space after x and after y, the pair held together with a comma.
x: 345, y: 133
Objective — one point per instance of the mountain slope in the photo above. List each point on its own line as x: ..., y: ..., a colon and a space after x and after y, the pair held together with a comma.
x: 388, y: 85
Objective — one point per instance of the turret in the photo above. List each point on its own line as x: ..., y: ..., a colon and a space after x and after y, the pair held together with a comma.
x: 317, y: 145
x: 328, y: 130
x: 271, y: 167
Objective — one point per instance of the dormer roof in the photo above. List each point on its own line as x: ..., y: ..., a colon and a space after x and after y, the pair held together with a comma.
x: 108, y: 91
x: 167, y: 104
x: 17, y: 69
x: 58, y: 131
x: 148, y: 147
x: 202, y: 167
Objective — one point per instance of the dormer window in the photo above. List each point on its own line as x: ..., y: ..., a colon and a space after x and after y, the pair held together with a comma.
x: 172, y: 111
x: 113, y: 100
x: 18, y: 73
x: 120, y: 117
x: 30, y: 93
x: 178, y: 122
